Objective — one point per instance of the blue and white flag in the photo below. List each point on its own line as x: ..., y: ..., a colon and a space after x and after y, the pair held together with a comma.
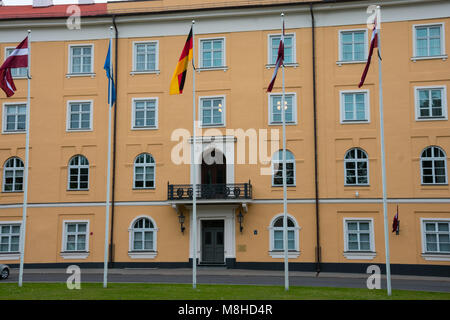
x: 109, y: 73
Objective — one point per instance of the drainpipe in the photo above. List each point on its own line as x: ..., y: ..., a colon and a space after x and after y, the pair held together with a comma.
x: 316, y: 181
x: 111, y: 245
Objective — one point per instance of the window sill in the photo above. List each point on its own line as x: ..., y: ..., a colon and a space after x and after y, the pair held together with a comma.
x: 359, y: 255
x: 69, y: 255
x: 219, y: 125
x: 436, y: 256
x: 356, y: 185
x: 224, y: 68
x: 443, y: 57
x: 14, y: 132
x: 288, y: 65
x: 10, y: 256
x: 144, y: 128
x: 340, y: 63
x: 79, y: 130
x: 431, y: 118
x: 142, y: 254
x: 20, y: 78
x: 281, y: 185
x: 12, y: 192
x: 144, y: 189
x: 145, y: 72
x: 71, y: 75
x: 281, y: 123
x: 426, y: 185
x: 355, y: 121
x: 276, y: 254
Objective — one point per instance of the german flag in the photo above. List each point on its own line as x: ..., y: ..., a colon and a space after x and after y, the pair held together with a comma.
x: 179, y: 75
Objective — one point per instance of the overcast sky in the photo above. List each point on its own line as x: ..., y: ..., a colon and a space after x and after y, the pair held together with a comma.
x: 29, y: 2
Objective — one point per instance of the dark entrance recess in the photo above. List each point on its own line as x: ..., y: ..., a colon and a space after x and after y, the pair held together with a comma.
x: 213, y: 242
x: 214, y: 177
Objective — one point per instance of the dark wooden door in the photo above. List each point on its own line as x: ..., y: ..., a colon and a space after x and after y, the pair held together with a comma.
x: 215, y: 173
x: 213, y: 241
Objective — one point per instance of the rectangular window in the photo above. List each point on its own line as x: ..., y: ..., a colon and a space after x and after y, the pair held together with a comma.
x: 431, y: 103
x: 81, y: 59
x: 16, y: 72
x: 289, y: 48
x: 358, y: 235
x: 9, y: 238
x: 278, y: 173
x: 212, y: 53
x: 14, y: 119
x: 354, y: 106
x: 429, y: 41
x: 145, y: 113
x: 145, y: 56
x: 278, y: 240
x: 212, y: 111
x: 437, y: 236
x: 276, y: 111
x: 76, y: 235
x: 79, y: 116
x: 353, y: 45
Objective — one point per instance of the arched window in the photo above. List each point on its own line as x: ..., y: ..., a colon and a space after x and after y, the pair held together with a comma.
x: 276, y: 236
x: 13, y: 175
x: 277, y: 168
x: 356, y: 164
x: 144, y: 171
x: 78, y: 173
x: 143, y: 235
x: 433, y: 163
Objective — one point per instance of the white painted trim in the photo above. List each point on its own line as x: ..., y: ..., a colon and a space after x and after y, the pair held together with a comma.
x: 287, y: 161
x: 200, y: 56
x: 133, y: 113
x: 433, y: 159
x: 280, y: 254
x: 444, y: 103
x: 69, y: 64
x: 149, y: 165
x: 426, y: 254
x: 67, y: 254
x: 436, y: 257
x: 9, y: 256
x: 340, y: 51
x: 294, y: 109
x: 274, y: 253
x: 360, y: 255
x: 12, y: 255
x: 443, y: 55
x: 142, y: 254
x: 4, y: 175
x: 79, y: 167
x: 91, y: 115
x: 156, y: 70
x: 224, y: 111
x: 356, y: 168
x: 5, y: 105
x: 25, y: 68
x: 294, y: 48
x: 371, y: 236
x: 366, y: 105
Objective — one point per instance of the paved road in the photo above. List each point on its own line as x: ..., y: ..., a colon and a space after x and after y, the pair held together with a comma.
x: 215, y: 275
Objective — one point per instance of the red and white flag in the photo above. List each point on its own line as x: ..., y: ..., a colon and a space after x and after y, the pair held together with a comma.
x: 17, y: 59
x: 373, y: 45
x: 279, y: 62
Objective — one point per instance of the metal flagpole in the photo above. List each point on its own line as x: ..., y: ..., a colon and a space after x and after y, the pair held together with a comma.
x: 108, y: 182
x: 25, y: 174
x: 194, y: 173
x: 383, y: 167
x: 285, y: 235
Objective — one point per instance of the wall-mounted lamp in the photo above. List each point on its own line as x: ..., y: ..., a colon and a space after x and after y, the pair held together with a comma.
x: 241, y: 219
x: 181, y: 220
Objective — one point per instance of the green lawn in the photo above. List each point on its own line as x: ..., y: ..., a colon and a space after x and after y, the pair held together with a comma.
x: 139, y: 291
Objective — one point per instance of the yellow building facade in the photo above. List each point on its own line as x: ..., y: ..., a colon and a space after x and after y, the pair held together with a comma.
x: 335, y: 215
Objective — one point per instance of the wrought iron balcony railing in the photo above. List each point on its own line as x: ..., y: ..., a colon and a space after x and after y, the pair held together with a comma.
x: 210, y: 191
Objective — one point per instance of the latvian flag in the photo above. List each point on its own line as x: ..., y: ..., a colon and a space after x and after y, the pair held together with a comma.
x: 179, y: 75
x: 373, y: 45
x: 17, y: 59
x: 279, y: 62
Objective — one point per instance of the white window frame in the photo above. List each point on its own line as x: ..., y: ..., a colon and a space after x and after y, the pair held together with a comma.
x: 4, y: 124
x: 427, y: 255
x: 294, y: 109
x: 360, y: 255
x: 442, y: 56
x: 294, y: 49
x: 224, y: 111
x: 72, y: 254
x: 91, y: 115
x: 356, y: 169
x: 146, y: 165
x: 142, y: 254
x: 366, y: 106
x: 15, y: 169
x: 341, y: 61
x: 11, y: 255
x: 81, y: 74
x: 156, y: 70
x: 200, y: 55
x: 133, y: 113
x: 280, y: 254
x: 25, y: 68
x: 280, y: 161
x: 444, y: 103
x: 433, y: 159
x: 79, y: 167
